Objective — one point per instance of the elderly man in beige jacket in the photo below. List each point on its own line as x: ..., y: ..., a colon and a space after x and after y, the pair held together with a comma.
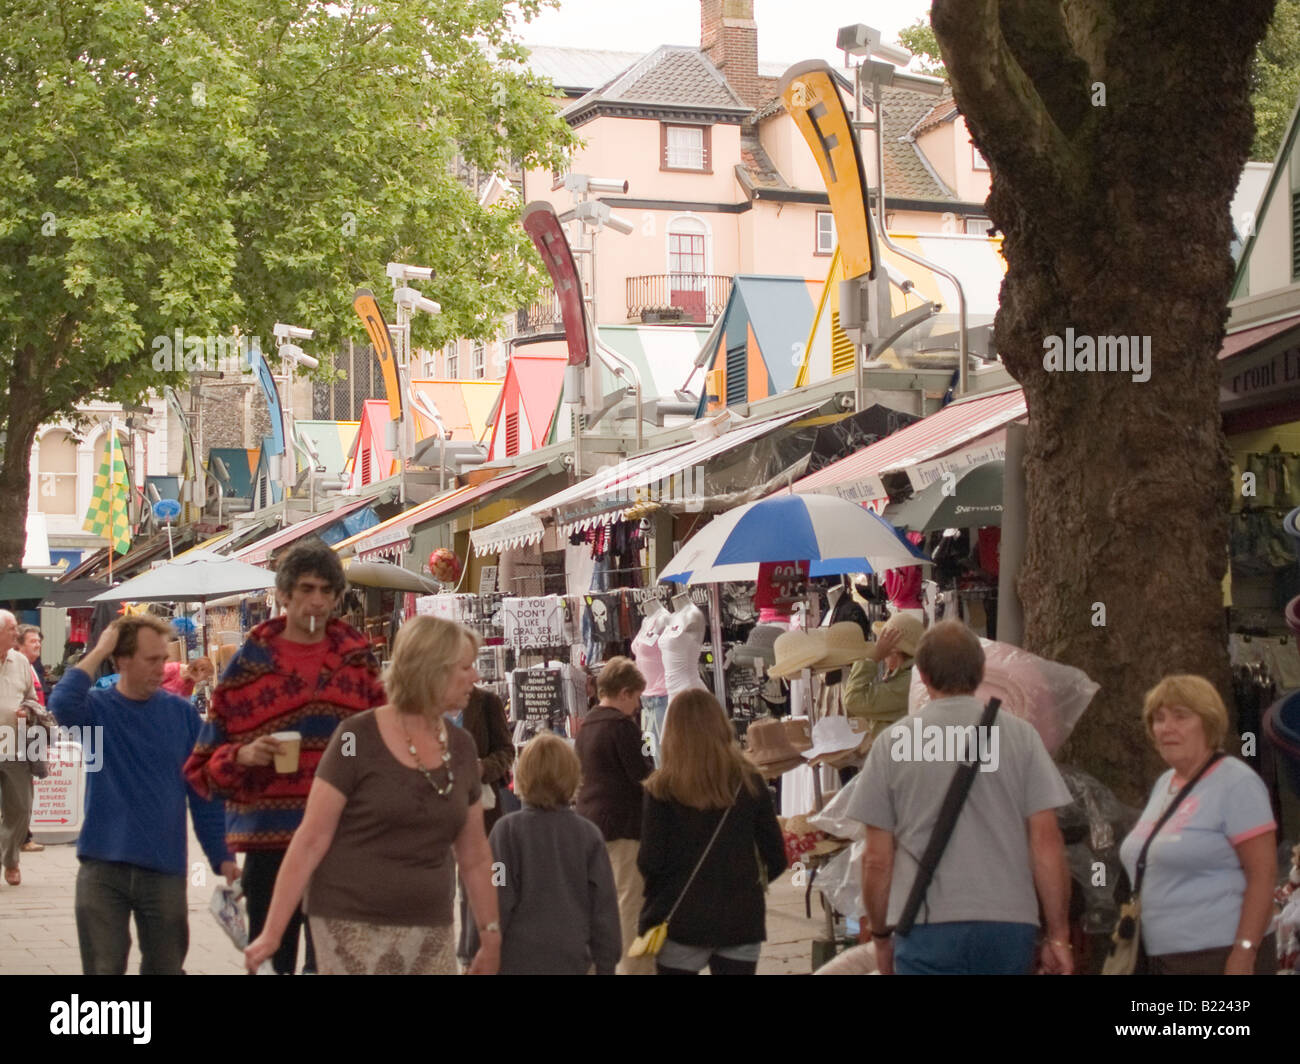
x: 16, y: 688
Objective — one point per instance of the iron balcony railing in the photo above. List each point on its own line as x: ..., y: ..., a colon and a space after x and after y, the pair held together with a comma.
x: 541, y: 317
x: 677, y: 297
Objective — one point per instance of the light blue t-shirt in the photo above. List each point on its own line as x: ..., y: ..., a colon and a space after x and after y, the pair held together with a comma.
x: 1194, y: 883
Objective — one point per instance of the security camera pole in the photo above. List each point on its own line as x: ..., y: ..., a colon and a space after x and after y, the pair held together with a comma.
x: 291, y: 355
x: 408, y: 300
x: 884, y: 65
x: 593, y: 215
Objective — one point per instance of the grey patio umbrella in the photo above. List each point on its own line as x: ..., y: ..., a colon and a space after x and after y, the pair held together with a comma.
x: 973, y: 500
x: 389, y: 576
x: 194, y: 577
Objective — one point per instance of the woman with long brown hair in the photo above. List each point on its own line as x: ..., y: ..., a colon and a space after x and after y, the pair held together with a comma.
x: 710, y: 844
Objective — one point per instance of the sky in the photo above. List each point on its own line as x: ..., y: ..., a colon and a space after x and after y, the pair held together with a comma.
x: 788, y: 30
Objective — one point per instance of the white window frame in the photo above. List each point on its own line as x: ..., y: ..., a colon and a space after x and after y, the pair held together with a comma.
x: 677, y: 163
x: 478, y: 360
x: 60, y: 477
x: 977, y: 160
x: 452, y: 361
x: 692, y: 225
x: 980, y: 224
x: 829, y: 247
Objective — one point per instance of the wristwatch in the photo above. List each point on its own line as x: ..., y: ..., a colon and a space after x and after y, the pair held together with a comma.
x: 493, y: 928
x: 1245, y: 943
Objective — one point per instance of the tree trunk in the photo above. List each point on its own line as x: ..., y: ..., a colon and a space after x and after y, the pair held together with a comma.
x: 1116, y: 224
x: 15, y: 480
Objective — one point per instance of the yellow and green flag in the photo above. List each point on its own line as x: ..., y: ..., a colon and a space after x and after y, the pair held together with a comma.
x: 108, y: 500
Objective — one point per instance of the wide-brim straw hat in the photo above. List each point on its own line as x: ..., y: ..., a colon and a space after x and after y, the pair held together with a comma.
x: 845, y: 645
x: 907, y: 626
x: 796, y: 651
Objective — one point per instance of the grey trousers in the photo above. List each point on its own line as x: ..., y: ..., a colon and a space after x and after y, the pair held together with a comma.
x: 15, y: 810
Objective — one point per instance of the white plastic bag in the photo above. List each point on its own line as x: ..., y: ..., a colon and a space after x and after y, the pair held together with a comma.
x: 840, y: 880
x: 227, y: 906
x: 1051, y: 696
x: 834, y: 819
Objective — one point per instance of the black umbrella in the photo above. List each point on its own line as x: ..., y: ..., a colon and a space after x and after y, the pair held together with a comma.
x: 972, y: 500
x: 74, y: 594
x: 18, y: 586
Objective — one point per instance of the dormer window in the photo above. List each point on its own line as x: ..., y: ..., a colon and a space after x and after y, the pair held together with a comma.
x: 685, y: 148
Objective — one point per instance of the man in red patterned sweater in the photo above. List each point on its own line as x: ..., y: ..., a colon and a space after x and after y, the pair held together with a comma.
x: 301, y: 672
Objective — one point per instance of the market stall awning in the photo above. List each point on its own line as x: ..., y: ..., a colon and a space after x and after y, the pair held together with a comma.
x: 606, y: 495
x: 858, y: 476
x: 261, y: 550
x: 396, y: 531
x: 232, y: 539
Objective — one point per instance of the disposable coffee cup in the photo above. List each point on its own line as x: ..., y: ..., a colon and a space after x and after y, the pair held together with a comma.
x: 290, y: 743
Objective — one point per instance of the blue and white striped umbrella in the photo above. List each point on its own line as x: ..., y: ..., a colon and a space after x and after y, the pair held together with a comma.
x: 832, y: 534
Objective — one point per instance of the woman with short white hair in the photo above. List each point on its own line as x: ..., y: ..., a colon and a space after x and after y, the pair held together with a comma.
x: 393, y: 810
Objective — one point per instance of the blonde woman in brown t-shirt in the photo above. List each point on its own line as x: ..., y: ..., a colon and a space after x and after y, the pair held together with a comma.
x: 393, y: 810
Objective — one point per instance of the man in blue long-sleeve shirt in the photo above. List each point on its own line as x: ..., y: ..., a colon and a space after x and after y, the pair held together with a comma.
x: 132, y: 847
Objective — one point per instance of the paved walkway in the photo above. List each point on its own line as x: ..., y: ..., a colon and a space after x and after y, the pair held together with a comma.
x: 38, y: 933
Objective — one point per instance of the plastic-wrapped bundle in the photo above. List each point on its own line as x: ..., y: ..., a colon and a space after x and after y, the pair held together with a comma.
x: 1093, y: 826
x: 1051, y: 696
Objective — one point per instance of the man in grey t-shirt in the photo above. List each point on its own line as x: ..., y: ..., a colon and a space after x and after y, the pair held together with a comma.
x: 980, y: 914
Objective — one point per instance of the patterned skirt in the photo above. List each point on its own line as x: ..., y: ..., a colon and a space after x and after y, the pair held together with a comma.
x: 350, y: 947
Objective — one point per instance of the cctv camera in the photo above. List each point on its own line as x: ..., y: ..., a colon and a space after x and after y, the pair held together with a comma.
x: 857, y: 39
x: 292, y: 332
x: 619, y: 225
x: 898, y: 56
x: 411, y: 298
x: 399, y: 271
x: 294, y: 353
x: 606, y: 184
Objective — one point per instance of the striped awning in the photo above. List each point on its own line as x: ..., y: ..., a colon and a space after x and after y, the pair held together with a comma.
x: 857, y: 477
x: 606, y: 496
x: 391, y: 537
x: 260, y: 551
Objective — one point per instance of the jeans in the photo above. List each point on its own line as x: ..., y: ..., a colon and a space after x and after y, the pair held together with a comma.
x: 971, y: 947
x: 260, y: 869
x: 654, y: 710
x: 676, y: 959
x: 108, y: 893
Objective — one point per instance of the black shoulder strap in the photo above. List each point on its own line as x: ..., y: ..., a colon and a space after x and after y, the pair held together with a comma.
x: 1141, y: 868
x: 953, y: 801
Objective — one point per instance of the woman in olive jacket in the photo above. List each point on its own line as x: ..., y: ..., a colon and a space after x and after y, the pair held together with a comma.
x: 703, y: 785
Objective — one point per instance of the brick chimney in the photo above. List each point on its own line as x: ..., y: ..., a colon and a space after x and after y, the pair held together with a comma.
x: 729, y: 38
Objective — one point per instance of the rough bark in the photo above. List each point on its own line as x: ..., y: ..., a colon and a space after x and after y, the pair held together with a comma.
x: 1116, y: 223
x: 23, y: 415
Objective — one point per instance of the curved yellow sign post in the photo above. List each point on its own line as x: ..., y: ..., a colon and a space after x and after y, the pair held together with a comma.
x: 813, y: 98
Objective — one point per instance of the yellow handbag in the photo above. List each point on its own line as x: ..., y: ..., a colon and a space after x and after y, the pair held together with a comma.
x: 650, y: 943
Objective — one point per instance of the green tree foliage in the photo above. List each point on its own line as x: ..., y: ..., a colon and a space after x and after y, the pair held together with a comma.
x: 1275, y: 79
x: 919, y: 39
x: 213, y: 167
